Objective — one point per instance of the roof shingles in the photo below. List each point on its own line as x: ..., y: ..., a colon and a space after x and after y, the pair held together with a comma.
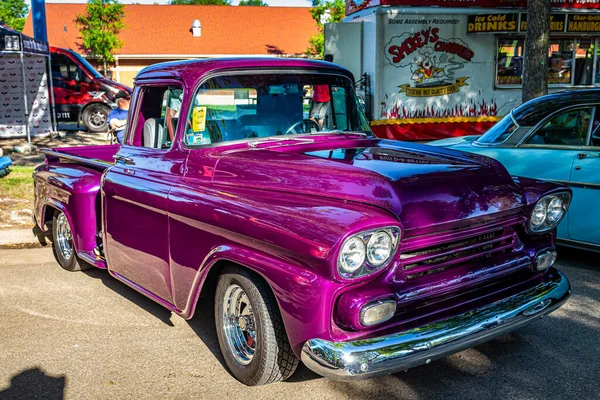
x: 166, y: 29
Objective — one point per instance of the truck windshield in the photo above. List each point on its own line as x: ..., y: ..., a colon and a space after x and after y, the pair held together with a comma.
x: 239, y: 107
x: 86, y: 65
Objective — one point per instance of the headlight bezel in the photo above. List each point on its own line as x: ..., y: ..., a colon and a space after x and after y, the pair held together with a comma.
x: 367, y: 267
x: 547, y: 223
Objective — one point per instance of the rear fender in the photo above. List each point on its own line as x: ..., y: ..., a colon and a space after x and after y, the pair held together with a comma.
x: 72, y: 189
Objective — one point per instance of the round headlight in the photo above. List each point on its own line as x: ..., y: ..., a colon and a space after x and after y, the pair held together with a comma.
x: 538, y: 217
x: 555, y: 210
x: 379, y: 248
x: 549, y: 211
x: 352, y: 255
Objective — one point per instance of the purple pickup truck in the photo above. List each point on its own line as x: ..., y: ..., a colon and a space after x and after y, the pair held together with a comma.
x: 315, y: 240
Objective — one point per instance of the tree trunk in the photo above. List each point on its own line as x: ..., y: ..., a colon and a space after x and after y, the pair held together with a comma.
x: 535, y: 68
x: 104, y: 62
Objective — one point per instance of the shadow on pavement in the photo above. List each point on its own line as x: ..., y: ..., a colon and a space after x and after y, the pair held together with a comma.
x: 130, y: 294
x: 34, y: 384
x: 203, y: 324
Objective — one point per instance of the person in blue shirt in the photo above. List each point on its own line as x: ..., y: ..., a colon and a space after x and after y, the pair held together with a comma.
x: 117, y: 118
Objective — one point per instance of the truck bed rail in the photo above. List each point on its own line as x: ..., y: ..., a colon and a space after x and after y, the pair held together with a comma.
x: 97, y: 163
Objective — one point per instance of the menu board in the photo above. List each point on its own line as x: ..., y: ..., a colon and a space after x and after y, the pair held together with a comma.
x: 583, y: 23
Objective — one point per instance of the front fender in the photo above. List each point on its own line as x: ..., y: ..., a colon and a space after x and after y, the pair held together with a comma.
x: 289, y: 240
x: 305, y: 299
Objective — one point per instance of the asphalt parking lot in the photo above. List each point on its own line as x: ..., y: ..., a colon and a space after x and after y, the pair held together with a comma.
x: 85, y: 335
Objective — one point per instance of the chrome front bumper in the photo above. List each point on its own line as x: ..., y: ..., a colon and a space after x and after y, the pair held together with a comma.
x: 367, y: 358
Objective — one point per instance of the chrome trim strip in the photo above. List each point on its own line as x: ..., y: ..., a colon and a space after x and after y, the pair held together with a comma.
x: 579, y: 244
x: 367, y: 358
x: 583, y: 185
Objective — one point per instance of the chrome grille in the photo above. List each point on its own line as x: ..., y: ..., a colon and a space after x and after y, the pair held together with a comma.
x: 418, y: 260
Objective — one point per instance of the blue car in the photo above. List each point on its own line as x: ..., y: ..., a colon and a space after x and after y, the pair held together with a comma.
x: 555, y: 138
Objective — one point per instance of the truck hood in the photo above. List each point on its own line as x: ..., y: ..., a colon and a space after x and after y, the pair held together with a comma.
x: 421, y: 185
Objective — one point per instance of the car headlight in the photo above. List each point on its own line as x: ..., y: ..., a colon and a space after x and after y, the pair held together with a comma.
x: 549, y: 211
x: 367, y: 252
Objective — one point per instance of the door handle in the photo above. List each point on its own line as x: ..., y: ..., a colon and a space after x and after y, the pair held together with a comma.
x: 123, y: 160
x: 581, y: 156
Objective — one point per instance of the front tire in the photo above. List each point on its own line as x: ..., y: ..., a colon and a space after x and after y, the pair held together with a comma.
x: 251, y: 334
x: 62, y: 243
x: 95, y: 117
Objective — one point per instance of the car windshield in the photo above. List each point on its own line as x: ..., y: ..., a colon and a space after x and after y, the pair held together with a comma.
x: 239, y: 107
x: 499, y: 132
x: 86, y: 65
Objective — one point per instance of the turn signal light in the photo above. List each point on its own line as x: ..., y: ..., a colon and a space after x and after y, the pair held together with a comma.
x: 377, y: 312
x: 545, y: 259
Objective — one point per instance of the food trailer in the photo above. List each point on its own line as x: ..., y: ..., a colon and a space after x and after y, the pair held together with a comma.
x: 24, y: 93
x: 440, y: 68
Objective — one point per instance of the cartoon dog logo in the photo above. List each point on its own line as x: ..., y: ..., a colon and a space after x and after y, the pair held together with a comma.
x: 426, y: 70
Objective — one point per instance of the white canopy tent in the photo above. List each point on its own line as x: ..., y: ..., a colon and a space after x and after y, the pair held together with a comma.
x: 25, y: 92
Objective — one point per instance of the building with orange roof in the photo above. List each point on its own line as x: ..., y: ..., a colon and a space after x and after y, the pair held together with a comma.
x: 157, y: 33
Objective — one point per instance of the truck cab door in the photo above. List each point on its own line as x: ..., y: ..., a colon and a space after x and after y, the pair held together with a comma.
x: 135, y: 196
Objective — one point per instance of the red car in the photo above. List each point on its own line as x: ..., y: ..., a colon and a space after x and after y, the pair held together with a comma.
x: 82, y: 97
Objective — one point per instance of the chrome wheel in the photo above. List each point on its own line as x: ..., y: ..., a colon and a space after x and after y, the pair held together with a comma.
x: 64, y: 237
x: 238, y: 324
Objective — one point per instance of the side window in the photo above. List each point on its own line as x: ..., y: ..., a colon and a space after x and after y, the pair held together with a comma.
x: 158, y: 117
x: 75, y: 73
x: 59, y: 69
x: 569, y: 128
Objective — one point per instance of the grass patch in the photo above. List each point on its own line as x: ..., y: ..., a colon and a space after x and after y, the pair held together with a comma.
x: 16, y: 197
x: 18, y: 184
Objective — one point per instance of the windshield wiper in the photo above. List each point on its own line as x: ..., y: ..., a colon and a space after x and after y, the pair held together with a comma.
x: 340, y: 132
x: 278, y: 140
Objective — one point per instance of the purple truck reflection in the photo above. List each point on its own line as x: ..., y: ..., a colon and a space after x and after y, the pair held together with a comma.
x: 315, y: 240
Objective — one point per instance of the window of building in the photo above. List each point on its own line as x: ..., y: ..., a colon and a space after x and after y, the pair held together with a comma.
x: 584, y: 61
x: 510, y: 61
x: 560, y: 60
x: 570, y: 62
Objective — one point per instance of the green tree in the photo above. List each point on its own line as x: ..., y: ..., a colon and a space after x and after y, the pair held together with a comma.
x: 253, y: 3
x: 202, y: 2
x: 13, y: 13
x: 324, y: 11
x: 100, y: 27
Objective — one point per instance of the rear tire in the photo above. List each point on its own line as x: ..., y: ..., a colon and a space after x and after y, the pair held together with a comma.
x: 62, y: 244
x: 95, y: 117
x: 251, y: 334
